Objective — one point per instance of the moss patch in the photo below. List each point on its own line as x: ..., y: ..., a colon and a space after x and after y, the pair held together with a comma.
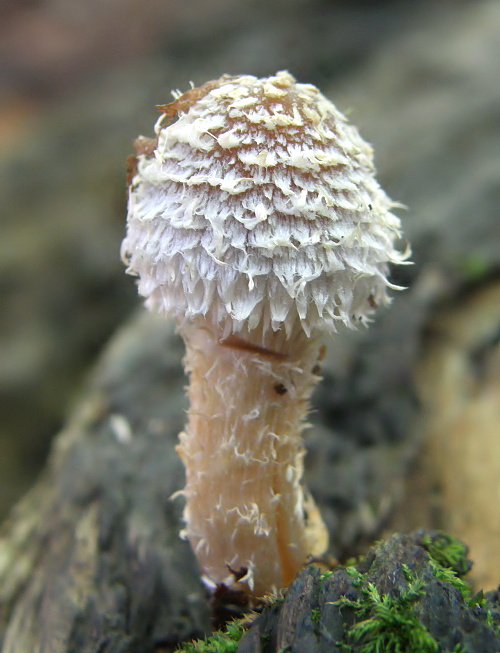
x: 407, y: 595
x: 220, y: 642
x: 448, y: 552
x: 387, y: 623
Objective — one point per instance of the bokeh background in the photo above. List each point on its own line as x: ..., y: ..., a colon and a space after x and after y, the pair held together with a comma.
x: 79, y: 80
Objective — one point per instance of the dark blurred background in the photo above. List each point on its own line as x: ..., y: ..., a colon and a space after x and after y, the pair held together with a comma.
x: 79, y: 80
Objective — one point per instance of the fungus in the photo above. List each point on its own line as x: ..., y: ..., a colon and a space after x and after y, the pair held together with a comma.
x: 256, y: 222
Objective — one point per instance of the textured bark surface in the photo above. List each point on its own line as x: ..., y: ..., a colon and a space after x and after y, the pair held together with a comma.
x: 91, y: 559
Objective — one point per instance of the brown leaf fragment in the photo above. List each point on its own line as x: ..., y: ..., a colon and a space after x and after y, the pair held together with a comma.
x: 131, y: 169
x: 187, y: 99
x: 144, y: 145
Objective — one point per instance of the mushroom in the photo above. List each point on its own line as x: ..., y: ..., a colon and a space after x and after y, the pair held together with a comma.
x: 256, y: 222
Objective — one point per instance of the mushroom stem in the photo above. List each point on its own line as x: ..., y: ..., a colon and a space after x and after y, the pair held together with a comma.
x: 247, y: 515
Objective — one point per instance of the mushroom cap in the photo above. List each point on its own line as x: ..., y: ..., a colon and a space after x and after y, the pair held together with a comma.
x: 257, y: 207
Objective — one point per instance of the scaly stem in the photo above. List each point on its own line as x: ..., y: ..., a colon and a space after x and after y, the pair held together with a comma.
x: 246, y: 510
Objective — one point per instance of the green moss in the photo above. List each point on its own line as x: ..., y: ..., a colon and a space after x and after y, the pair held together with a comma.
x: 357, y: 576
x: 478, y: 599
x: 219, y: 642
x: 448, y: 561
x: 448, y: 552
x: 408, y: 574
x: 448, y: 575
x: 387, y: 623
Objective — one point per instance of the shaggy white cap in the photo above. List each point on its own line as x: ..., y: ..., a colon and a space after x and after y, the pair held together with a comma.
x: 259, y: 206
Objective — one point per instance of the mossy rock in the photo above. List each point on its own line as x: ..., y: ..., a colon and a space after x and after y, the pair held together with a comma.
x: 407, y: 595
